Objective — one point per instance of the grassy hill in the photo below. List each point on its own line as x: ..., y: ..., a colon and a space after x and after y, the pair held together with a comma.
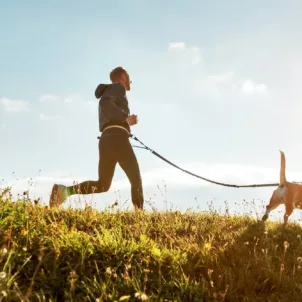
x: 86, y: 255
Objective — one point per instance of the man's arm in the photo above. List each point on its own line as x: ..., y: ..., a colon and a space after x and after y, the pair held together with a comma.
x: 111, y: 110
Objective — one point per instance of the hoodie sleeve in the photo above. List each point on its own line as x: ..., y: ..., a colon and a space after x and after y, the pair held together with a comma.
x: 108, y: 105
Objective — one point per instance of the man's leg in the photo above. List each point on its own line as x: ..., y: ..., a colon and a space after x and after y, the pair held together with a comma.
x: 107, y: 163
x: 128, y: 162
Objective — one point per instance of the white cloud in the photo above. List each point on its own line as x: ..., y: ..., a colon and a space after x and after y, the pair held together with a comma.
x: 71, y: 98
x: 248, y: 87
x: 222, y: 78
x: 196, y: 60
x: 197, y: 49
x: 49, y: 117
x: 194, y: 52
x: 52, y: 99
x: 215, y: 84
x: 68, y: 100
x: 177, y: 46
x: 49, y: 98
x: 14, y: 105
x: 227, y: 83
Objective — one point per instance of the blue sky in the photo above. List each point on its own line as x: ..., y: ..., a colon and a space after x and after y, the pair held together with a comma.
x: 216, y: 86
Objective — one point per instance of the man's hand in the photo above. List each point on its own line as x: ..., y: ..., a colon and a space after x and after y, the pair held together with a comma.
x: 131, y: 119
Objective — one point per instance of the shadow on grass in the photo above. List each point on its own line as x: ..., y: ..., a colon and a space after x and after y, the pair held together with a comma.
x: 261, y: 264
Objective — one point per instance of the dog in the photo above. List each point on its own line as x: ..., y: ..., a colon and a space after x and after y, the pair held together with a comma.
x: 287, y: 192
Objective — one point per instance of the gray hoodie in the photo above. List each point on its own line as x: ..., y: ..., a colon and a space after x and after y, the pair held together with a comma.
x: 113, y: 105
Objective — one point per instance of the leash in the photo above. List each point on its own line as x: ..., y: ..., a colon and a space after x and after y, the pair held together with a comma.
x: 195, y: 175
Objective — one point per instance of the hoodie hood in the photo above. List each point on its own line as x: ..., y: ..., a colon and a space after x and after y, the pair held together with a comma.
x: 100, y: 90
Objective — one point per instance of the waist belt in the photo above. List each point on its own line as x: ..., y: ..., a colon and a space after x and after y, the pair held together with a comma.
x: 115, y: 126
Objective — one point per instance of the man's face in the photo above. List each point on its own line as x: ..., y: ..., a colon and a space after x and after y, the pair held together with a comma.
x: 125, y: 80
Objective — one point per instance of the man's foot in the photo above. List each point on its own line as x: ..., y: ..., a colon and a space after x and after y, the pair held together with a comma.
x: 58, y: 195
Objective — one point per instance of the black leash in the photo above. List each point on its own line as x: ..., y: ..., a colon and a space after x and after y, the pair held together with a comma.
x: 203, y: 178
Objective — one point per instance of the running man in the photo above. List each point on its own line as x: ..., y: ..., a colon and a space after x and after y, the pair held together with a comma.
x: 114, y: 145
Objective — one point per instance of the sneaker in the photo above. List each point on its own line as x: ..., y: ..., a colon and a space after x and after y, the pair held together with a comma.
x: 57, y: 196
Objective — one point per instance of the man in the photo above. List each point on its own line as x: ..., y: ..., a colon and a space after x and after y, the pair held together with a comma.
x: 114, y: 146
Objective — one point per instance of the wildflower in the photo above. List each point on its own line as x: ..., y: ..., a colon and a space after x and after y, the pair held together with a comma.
x: 299, y: 236
x: 73, y: 275
x: 87, y: 207
x: 2, y: 275
x: 210, y: 271
x: 125, y: 276
x: 286, y: 245
x: 24, y: 232
x: 299, y: 259
x: 4, y: 294
x: 141, y: 296
x: 4, y: 251
x: 123, y: 298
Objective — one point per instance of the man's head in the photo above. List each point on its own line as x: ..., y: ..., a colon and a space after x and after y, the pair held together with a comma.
x: 119, y: 74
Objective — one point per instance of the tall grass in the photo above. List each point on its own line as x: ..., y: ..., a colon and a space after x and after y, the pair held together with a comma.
x: 86, y: 255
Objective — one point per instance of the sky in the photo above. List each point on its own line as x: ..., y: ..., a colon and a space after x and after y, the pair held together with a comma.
x: 216, y: 87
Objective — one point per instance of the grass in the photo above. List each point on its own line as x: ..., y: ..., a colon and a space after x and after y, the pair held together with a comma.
x: 86, y: 255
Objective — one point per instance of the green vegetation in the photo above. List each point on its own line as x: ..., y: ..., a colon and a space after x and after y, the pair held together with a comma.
x: 86, y: 255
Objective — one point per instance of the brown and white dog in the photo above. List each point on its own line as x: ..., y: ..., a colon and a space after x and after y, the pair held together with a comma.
x: 288, y: 193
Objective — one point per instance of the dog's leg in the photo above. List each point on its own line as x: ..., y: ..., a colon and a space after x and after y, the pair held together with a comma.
x: 275, y: 201
x: 265, y: 216
x: 289, y: 208
x: 270, y: 207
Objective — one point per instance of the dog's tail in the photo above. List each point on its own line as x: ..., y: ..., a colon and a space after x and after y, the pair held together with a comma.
x: 282, y: 169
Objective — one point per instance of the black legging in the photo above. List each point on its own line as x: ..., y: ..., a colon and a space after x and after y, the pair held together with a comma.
x: 114, y: 147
